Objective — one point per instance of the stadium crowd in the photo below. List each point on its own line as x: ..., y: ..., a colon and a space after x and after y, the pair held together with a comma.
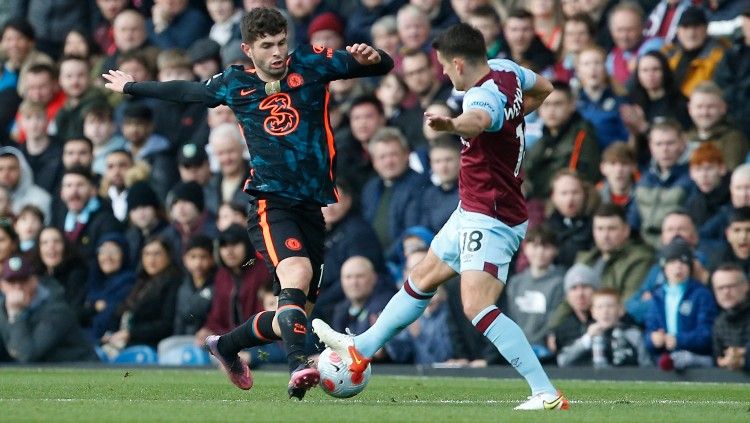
x: 123, y: 219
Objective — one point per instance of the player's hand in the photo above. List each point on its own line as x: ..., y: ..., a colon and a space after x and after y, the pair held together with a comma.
x: 439, y: 123
x: 364, y: 54
x: 116, y: 80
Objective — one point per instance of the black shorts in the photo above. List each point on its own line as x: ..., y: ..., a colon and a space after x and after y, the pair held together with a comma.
x: 280, y: 228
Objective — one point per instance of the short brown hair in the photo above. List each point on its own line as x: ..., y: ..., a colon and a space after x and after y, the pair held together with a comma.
x: 28, y: 108
x: 542, y: 234
x: 607, y: 292
x: 173, y: 59
x: 706, y: 153
x: 261, y: 22
x: 618, y: 152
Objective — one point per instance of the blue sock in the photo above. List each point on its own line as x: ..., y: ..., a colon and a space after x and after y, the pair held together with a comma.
x: 513, y: 345
x: 402, y: 310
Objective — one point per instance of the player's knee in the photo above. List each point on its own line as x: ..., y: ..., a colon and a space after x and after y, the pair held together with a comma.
x: 295, y: 272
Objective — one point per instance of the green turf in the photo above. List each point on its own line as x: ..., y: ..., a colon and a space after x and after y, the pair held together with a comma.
x: 142, y: 394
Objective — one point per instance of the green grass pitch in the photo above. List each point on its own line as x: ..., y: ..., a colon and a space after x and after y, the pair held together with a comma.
x: 143, y: 394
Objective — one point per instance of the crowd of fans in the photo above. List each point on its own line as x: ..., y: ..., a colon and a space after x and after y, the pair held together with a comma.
x: 122, y: 219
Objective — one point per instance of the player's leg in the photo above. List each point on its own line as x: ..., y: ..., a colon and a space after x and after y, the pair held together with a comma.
x: 488, y: 247
x: 439, y: 265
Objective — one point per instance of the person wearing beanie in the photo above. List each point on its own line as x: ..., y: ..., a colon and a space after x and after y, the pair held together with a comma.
x: 326, y: 30
x: 146, y: 217
x: 241, y: 274
x: 205, y: 55
x: 84, y: 217
x: 682, y: 313
x: 579, y: 284
x: 188, y: 217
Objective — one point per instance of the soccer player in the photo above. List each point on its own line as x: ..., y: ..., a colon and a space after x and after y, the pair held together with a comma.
x: 282, y: 107
x: 485, y: 231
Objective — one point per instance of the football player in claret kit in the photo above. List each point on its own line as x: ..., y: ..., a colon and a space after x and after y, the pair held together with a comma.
x: 486, y: 229
x: 282, y: 107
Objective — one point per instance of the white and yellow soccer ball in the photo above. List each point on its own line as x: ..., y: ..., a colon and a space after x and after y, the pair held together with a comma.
x: 336, y: 379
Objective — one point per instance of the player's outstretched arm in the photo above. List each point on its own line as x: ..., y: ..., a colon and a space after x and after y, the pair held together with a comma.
x: 468, y: 124
x: 177, y: 91
x: 368, y: 61
x: 534, y: 97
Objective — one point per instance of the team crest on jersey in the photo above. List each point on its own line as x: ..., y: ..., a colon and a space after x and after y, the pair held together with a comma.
x: 294, y: 80
x: 293, y: 244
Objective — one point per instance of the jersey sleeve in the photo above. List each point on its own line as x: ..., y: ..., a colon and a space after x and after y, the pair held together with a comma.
x: 482, y: 98
x: 216, y: 89
x: 340, y: 64
x: 526, y: 76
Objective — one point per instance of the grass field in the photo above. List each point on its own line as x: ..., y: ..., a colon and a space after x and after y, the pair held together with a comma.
x: 142, y: 394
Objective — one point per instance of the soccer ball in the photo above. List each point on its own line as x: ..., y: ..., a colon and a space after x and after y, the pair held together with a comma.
x: 336, y: 379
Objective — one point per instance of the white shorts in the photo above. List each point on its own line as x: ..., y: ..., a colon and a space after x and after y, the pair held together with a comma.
x: 474, y: 241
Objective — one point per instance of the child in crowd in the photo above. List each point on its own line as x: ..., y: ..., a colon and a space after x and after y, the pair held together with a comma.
x: 99, y: 127
x: 28, y: 224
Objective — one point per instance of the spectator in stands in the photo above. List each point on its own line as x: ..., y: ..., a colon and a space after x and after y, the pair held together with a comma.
x: 17, y: 48
x: 731, y: 331
x: 390, y: 200
x: 78, y: 152
x: 366, y: 117
x: 29, y: 222
x: 80, y: 94
x: 570, y: 219
x: 231, y: 213
x: 523, y: 45
x: 193, y: 165
x: 598, y: 100
x: 739, y: 194
x: 618, y: 166
x: 197, y: 288
x: 84, y: 218
x: 79, y: 43
x: 419, y: 75
x: 35, y: 325
x: 112, y: 186
x: 655, y: 96
x: 733, y: 75
x: 580, y: 282
x: 347, y: 235
x: 326, y: 30
x: 227, y: 146
x: 51, y: 20
x: 9, y: 241
x: 708, y: 110
x: 58, y: 259
x: 678, y: 325
x: 736, y: 248
x: 176, y: 24
x: 534, y: 294
x: 146, y: 217
x: 188, y: 216
x: 103, y: 31
x: 413, y: 29
x: 384, y: 34
x: 676, y: 224
x: 608, y: 341
x: 664, y: 186
x: 205, y: 55
x: 16, y: 176
x: 38, y: 84
x: 663, y: 19
x: 547, y: 22
x: 439, y: 201
x: 216, y: 116
x: 363, y: 302
x: 99, y: 126
x: 710, y: 188
x: 134, y: 63
x: 487, y: 21
x: 147, y: 315
x: 577, y: 33
x: 695, y: 55
x: 626, y: 26
x: 5, y: 204
x: 621, y: 262
x: 302, y: 12
x: 463, y: 8
x: 41, y: 151
x: 391, y: 91
x: 145, y: 145
x: 361, y: 19
x: 568, y: 142
x: 226, y: 19
x: 130, y: 36
x: 237, y: 284
x: 110, y: 281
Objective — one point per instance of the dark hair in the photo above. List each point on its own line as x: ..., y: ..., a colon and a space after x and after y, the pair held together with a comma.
x: 138, y: 56
x: 98, y: 109
x: 446, y: 142
x: 679, y: 211
x: 485, y: 11
x: 611, y: 210
x: 672, y: 93
x: 740, y: 214
x: 80, y: 139
x: 81, y: 171
x: 730, y: 267
x: 584, y: 19
x: 91, y: 45
x: 143, y: 283
x: 6, y: 225
x: 543, y: 234
x: 368, y: 99
x: 138, y: 112
x: 461, y: 40
x: 520, y: 13
x: 32, y: 209
x: 70, y: 255
x: 200, y: 241
x: 261, y: 22
x: 42, y: 67
x: 123, y: 152
x: 75, y: 58
x: 20, y: 25
x: 564, y: 87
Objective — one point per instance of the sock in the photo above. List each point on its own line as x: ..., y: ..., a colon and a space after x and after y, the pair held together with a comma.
x: 257, y: 330
x: 402, y: 310
x: 293, y: 324
x: 510, y: 340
